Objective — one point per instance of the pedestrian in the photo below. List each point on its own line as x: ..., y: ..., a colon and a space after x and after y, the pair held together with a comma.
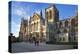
x: 34, y: 40
x: 37, y: 41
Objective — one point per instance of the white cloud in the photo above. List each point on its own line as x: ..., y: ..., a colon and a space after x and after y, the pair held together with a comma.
x: 15, y: 29
x: 20, y: 12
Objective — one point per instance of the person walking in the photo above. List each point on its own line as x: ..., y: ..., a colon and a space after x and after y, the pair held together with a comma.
x: 37, y: 41
x: 34, y: 40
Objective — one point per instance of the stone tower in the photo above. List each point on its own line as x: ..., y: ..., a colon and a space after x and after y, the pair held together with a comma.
x: 51, y: 16
x: 22, y: 33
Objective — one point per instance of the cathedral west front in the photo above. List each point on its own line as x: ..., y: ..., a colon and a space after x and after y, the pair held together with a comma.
x: 50, y: 28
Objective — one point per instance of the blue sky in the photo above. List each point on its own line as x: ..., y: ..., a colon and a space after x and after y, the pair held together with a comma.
x: 25, y: 9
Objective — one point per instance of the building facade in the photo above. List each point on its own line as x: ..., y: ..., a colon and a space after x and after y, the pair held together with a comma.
x: 67, y: 30
x: 50, y: 28
x: 51, y: 17
x: 36, y: 26
x: 23, y: 30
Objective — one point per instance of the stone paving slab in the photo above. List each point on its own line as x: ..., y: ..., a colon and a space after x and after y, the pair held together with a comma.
x: 30, y: 47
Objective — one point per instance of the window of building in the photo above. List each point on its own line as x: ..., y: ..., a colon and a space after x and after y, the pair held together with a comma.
x: 34, y: 26
x: 31, y: 28
x: 50, y: 14
x: 37, y: 25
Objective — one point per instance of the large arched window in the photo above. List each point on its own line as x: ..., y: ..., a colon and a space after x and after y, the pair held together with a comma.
x: 31, y: 27
x: 34, y: 26
x: 37, y: 26
x: 50, y: 14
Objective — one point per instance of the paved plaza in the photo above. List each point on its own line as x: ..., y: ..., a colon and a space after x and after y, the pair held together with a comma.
x: 30, y: 47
